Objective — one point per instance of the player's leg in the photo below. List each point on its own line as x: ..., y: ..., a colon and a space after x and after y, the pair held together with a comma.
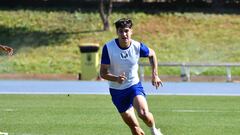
x: 130, y: 119
x: 141, y: 106
x: 122, y: 100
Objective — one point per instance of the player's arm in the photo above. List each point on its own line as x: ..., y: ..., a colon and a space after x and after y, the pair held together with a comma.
x: 154, y: 64
x: 105, y: 74
x: 104, y: 68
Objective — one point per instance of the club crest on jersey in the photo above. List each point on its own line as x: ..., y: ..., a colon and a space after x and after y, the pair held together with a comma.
x: 124, y: 55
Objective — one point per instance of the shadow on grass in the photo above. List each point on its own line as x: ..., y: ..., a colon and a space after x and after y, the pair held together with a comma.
x: 19, y: 37
x: 124, y: 7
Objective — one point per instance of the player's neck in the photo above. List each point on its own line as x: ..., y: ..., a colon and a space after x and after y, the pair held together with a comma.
x: 124, y: 44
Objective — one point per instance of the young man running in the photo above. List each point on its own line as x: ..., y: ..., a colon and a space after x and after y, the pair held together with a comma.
x: 119, y: 65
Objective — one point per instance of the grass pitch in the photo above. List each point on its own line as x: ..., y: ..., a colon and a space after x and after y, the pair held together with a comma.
x: 96, y: 115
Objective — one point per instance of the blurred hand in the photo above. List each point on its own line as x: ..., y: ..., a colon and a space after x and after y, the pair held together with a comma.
x: 9, y: 50
x: 156, y: 81
x: 121, y: 78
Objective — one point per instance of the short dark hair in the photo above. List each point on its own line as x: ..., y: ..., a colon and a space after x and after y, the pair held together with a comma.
x: 123, y: 23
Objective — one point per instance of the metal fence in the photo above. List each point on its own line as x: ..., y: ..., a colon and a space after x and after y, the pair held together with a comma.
x: 186, y: 68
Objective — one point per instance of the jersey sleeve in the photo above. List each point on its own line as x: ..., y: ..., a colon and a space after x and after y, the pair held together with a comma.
x: 144, y: 50
x: 105, y: 57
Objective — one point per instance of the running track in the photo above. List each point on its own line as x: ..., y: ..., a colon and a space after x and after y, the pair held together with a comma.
x: 101, y: 87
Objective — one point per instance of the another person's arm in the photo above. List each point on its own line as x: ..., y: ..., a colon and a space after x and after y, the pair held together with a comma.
x: 7, y: 49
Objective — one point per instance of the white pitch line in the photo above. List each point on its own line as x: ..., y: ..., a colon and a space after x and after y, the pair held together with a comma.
x: 8, y: 110
x: 204, y: 111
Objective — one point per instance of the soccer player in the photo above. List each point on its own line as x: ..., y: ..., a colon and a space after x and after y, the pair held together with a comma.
x: 119, y: 65
x: 7, y: 49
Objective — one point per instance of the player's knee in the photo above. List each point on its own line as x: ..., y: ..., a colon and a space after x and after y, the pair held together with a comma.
x: 143, y: 114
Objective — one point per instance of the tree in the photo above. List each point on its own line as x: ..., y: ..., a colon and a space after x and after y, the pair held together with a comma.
x: 105, y: 13
x: 138, y: 1
x: 217, y: 4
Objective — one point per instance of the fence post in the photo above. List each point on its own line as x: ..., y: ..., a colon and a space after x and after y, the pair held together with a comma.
x: 229, y: 76
x: 185, y: 73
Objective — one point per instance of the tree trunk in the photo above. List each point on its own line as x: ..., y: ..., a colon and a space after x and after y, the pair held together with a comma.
x: 105, y: 13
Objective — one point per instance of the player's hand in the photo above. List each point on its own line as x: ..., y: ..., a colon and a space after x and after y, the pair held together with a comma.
x: 121, y: 78
x: 156, y: 81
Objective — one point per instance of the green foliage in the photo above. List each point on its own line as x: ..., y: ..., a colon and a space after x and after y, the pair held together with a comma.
x: 47, y: 41
x: 96, y: 115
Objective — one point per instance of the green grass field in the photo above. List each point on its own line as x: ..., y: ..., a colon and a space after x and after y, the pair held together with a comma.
x: 95, y: 115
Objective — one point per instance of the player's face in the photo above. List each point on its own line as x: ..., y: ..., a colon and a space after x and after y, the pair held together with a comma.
x: 124, y: 35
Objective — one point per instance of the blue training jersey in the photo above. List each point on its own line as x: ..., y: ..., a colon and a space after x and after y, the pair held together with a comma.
x: 123, y: 60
